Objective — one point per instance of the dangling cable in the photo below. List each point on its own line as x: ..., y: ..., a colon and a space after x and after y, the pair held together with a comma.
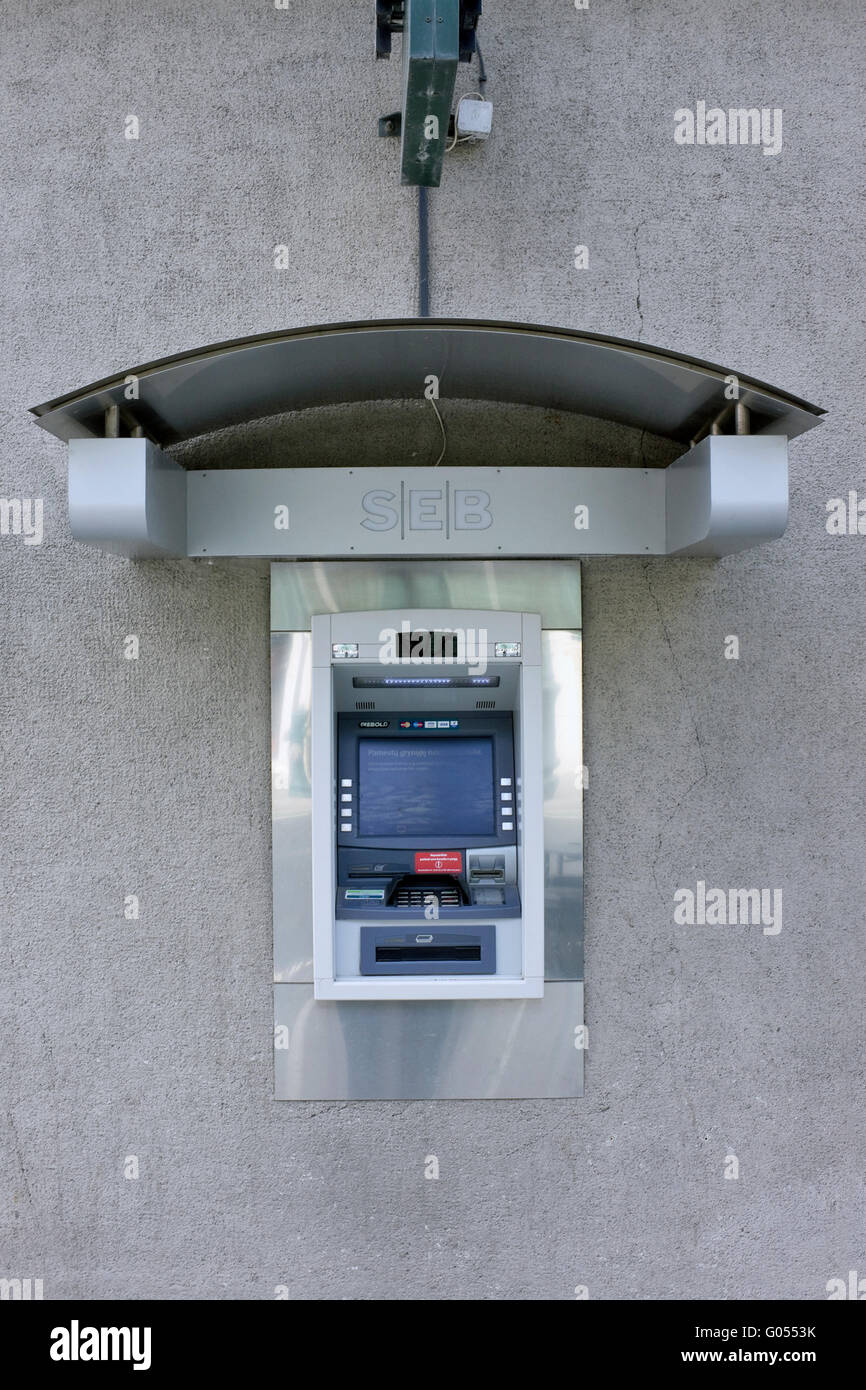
x: 424, y: 291
x: 482, y: 71
x: 442, y: 428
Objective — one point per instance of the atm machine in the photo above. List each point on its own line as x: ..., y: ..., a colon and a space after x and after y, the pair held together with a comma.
x: 427, y: 829
x: 428, y: 853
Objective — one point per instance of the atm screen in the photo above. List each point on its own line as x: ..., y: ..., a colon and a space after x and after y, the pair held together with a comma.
x: 426, y: 787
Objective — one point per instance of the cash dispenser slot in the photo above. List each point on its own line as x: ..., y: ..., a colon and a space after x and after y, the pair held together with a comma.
x: 386, y: 951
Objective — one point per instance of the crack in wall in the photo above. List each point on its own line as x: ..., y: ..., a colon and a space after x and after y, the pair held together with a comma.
x: 19, y: 1154
x: 638, y: 276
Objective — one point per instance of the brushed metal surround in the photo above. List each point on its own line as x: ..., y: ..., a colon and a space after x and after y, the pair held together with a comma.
x: 475, y: 1049
x: 292, y: 805
x: 562, y: 725
x: 343, y: 586
x: 427, y: 1049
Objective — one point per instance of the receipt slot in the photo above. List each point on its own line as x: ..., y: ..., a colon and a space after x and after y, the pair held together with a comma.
x: 427, y: 805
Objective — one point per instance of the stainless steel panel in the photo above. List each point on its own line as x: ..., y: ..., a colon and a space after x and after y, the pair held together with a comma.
x: 481, y: 1049
x: 224, y: 384
x: 430, y: 1049
x: 126, y: 495
x: 291, y: 668
x: 548, y: 587
x: 529, y: 512
x: 562, y: 704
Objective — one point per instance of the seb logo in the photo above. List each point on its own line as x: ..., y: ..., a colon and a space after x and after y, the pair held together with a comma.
x: 427, y: 509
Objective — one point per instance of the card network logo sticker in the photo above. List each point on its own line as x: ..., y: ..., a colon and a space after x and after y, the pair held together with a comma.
x: 404, y: 724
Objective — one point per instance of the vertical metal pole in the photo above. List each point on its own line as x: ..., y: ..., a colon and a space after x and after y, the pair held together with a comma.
x: 423, y: 254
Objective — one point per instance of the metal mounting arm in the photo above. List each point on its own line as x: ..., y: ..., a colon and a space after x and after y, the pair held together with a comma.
x: 437, y: 34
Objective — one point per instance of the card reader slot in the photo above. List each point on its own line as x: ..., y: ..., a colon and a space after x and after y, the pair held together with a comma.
x: 486, y: 868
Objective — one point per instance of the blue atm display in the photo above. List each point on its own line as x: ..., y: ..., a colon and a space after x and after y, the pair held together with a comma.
x: 426, y: 787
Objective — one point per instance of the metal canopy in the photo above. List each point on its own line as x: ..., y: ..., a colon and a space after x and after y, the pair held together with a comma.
x: 210, y: 388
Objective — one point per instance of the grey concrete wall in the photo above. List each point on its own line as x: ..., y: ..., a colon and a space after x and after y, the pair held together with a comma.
x: 153, y: 1038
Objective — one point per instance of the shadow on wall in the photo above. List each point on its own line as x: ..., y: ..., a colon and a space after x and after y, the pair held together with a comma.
x: 394, y: 433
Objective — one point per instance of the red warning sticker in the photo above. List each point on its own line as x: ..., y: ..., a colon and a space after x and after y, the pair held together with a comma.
x: 444, y: 861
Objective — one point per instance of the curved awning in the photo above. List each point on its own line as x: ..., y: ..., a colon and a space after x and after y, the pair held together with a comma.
x: 211, y: 388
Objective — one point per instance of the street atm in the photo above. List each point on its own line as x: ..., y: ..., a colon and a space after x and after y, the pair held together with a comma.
x: 427, y: 805
x: 427, y: 765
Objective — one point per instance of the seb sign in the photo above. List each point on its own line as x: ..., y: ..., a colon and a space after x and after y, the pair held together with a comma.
x: 350, y: 513
x: 444, y: 508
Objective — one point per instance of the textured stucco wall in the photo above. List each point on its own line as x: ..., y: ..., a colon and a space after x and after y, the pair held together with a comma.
x: 153, y: 1038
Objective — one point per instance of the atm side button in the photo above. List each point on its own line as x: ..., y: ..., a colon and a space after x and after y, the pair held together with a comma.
x: 507, y: 825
